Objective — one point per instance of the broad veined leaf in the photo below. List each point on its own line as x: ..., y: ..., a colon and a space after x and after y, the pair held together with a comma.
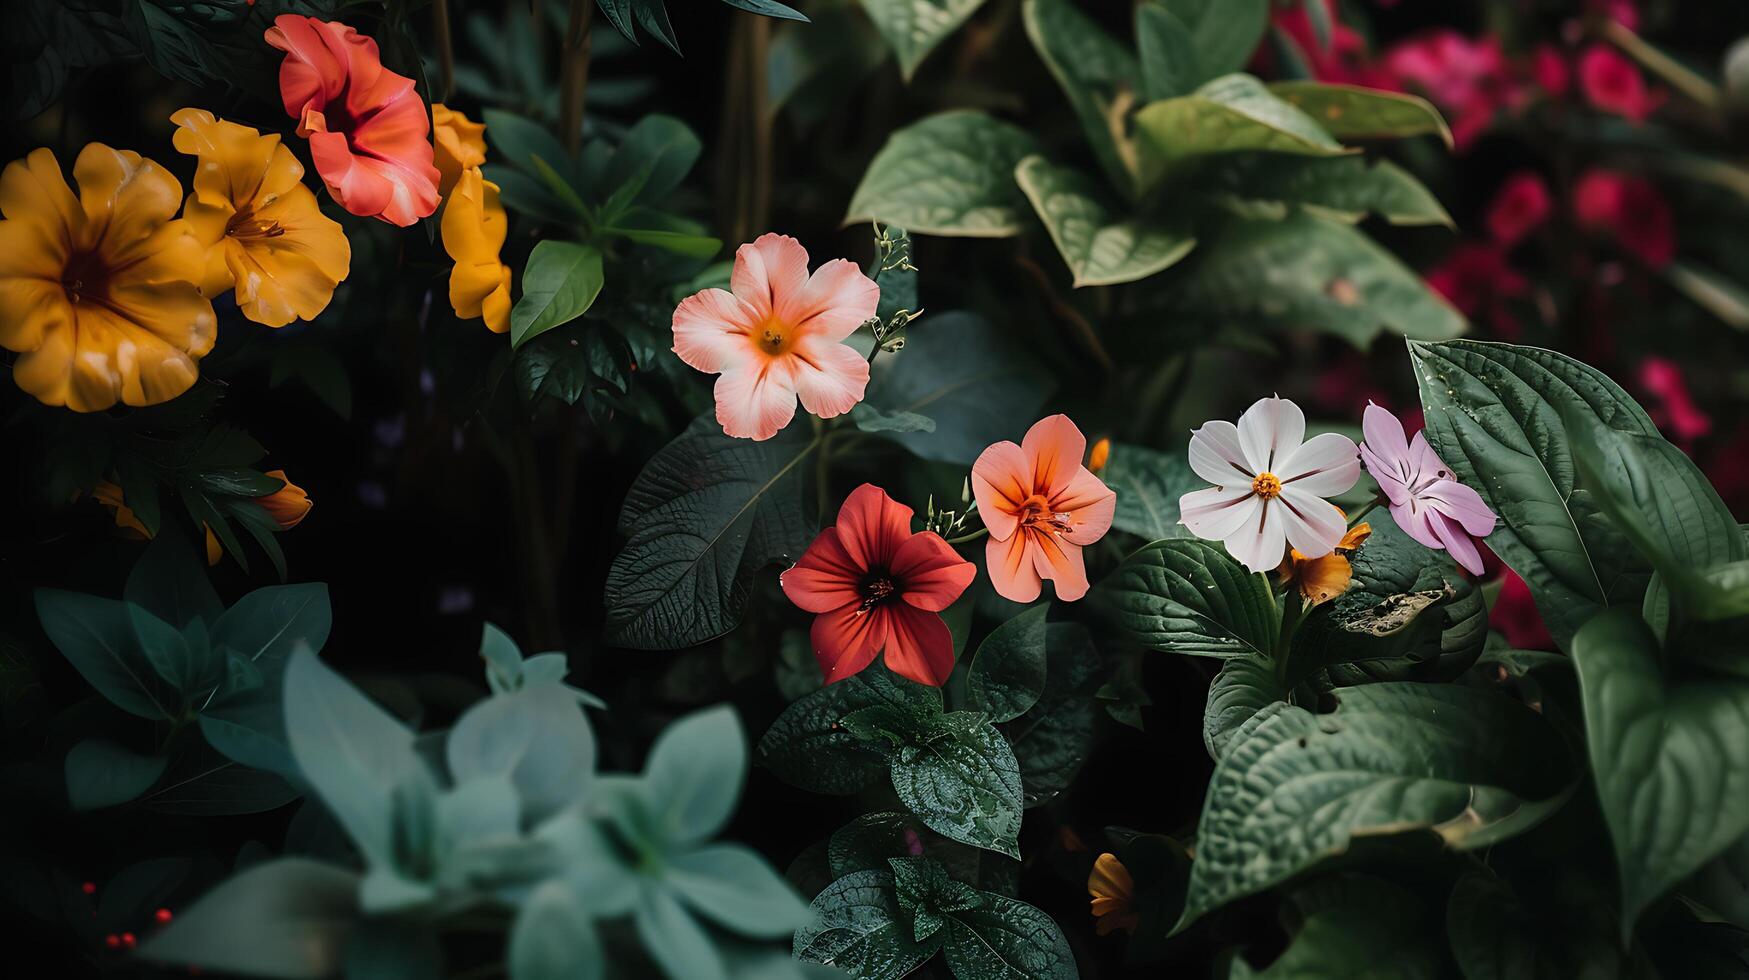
x: 1007, y: 675
x: 97, y: 637
x: 914, y: 27
x: 1310, y: 272
x: 706, y: 515
x: 1245, y: 686
x: 1344, y: 188
x: 948, y: 174
x: 559, y: 284
x: 859, y: 928
x: 1224, y: 33
x: 1473, y: 766
x: 1188, y: 596
x: 101, y: 773
x: 262, y: 630
x: 290, y: 917
x: 1355, y: 112
x: 1097, y: 74
x: 1494, y: 416
x: 972, y: 379
x: 1004, y: 939
x: 1670, y: 756
x: 808, y: 747
x: 1227, y: 115
x: 964, y: 785
x: 1166, y: 53
x: 1149, y: 484
x: 1101, y: 246
x: 1055, y: 735
x: 1356, y: 927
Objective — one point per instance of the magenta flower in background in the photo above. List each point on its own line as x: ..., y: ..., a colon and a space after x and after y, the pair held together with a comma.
x: 1676, y: 411
x: 1426, y: 501
x: 1612, y: 83
x: 1519, y: 207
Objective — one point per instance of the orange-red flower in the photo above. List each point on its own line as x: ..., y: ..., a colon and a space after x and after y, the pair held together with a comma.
x: 1322, y: 579
x: 875, y: 585
x: 368, y: 131
x: 100, y: 292
x: 1113, y: 892
x: 1041, y: 507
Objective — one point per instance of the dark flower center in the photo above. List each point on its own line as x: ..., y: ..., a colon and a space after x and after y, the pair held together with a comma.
x: 877, y: 586
x: 84, y: 276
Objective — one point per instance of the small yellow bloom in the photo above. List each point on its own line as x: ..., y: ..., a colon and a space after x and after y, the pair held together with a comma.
x: 460, y: 144
x: 1325, y: 578
x: 213, y: 550
x: 1112, y: 889
x: 288, y: 505
x: 109, y: 495
x: 264, y: 232
x: 473, y: 228
x: 99, y: 293
x: 1099, y: 456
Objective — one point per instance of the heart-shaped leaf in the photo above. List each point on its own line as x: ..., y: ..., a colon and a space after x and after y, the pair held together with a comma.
x: 1188, y: 596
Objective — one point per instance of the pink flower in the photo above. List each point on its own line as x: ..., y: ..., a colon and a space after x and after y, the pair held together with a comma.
x: 1519, y: 207
x: 1269, y: 485
x: 778, y: 335
x: 1426, y: 501
x: 1630, y: 210
x: 1344, y: 60
x: 1624, y: 12
x: 1468, y: 79
x: 1612, y: 83
x: 1476, y: 279
x: 1041, y: 507
x: 1677, y: 413
x: 874, y: 585
x: 1548, y: 68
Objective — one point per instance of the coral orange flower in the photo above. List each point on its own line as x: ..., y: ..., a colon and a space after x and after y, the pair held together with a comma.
x: 1041, y: 507
x: 460, y: 143
x: 100, y: 293
x: 368, y: 131
x: 875, y: 585
x: 1322, y: 579
x: 1113, y: 892
x: 265, y: 235
x: 778, y: 335
x: 474, y: 226
x: 288, y: 505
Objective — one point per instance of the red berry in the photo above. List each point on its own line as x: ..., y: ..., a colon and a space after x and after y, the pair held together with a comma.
x: 162, y: 915
x: 112, y: 940
x: 89, y: 888
x: 127, y: 939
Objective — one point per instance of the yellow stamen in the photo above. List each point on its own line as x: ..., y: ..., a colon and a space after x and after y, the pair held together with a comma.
x: 1266, y: 485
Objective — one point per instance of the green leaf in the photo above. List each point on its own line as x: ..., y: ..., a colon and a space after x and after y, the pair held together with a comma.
x: 554, y: 939
x: 675, y: 940
x: 1166, y: 52
x: 521, y: 141
x: 914, y: 27
x: 976, y: 383
x: 1494, y: 416
x: 1473, y: 766
x: 1097, y: 74
x: 1188, y: 596
x: 204, y: 783
x: 1722, y: 884
x: 964, y: 786
x: 678, y: 242
x: 101, y: 773
x: 859, y: 928
x: 1310, y: 272
x: 559, y: 284
x: 1099, y: 244
x: 1004, y: 939
x: 1345, y: 189
x: 1229, y: 114
x: 926, y: 893
x: 1007, y: 675
x: 536, y: 736
x: 1490, y: 930
x: 1245, y: 686
x: 351, y: 752
x: 286, y: 918
x: 169, y: 581
x: 707, y: 514
x: 808, y: 747
x: 655, y: 156
x: 262, y: 630
x: 1671, y: 757
x: 871, y: 419
x: 1224, y: 33
x: 1148, y: 484
x: 97, y: 638
x: 735, y: 888
x: 180, y: 663
x: 1359, y: 928
x: 1354, y: 112
x: 695, y: 771
x: 947, y: 174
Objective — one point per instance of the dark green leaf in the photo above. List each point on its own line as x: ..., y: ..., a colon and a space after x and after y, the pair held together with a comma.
x: 1166, y: 51
x: 97, y: 638
x: 1224, y: 33
x: 1187, y: 596
x: 101, y: 773
x: 1245, y: 686
x: 1358, y: 928
x: 860, y: 928
x: 1099, y: 77
x: 948, y: 174
x: 1102, y: 242
x: 559, y: 284
x: 1008, y: 674
x: 914, y: 27
x: 964, y: 786
x: 1229, y: 114
x: 1346, y: 188
x: 1148, y: 485
x: 169, y: 581
x: 1003, y: 939
x: 807, y: 747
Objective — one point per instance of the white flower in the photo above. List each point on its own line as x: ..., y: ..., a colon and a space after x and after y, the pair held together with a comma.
x: 1269, y: 485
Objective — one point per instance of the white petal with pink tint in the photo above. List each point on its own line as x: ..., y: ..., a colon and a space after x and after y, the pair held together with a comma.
x: 1218, y: 512
x: 835, y: 300
x: 1462, y: 504
x: 1270, y: 430
x: 1461, y: 545
x: 1260, y: 544
x: 1325, y: 466
x: 755, y: 401
x: 767, y: 269
x: 1314, y: 526
x: 1384, y: 433
x: 1216, y: 456
x: 710, y: 330
x: 830, y: 377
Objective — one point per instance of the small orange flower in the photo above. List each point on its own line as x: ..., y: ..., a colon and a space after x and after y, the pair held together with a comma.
x: 460, y: 143
x: 288, y: 505
x: 1098, y: 456
x: 1325, y: 578
x: 109, y: 495
x: 1112, y: 890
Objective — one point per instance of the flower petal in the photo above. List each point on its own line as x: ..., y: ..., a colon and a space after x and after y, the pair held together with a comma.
x: 1060, y: 562
x: 1424, y: 463
x: 872, y: 526
x: 127, y: 197
x: 1324, y: 466
x: 846, y: 640
x: 710, y: 331
x: 830, y: 377
x: 1463, y: 504
x: 1452, y: 536
x: 931, y: 574
x: 755, y: 400
x: 1056, y: 447
x: 836, y: 300
x: 1414, y: 518
x: 1217, y: 513
x: 1314, y: 526
x: 1260, y: 543
x: 768, y: 269
x: 1387, y: 473
x: 825, y: 578
x: 1384, y: 435
x: 919, y: 645
x: 34, y: 192
x: 1011, y: 567
x: 1269, y: 431
x: 1090, y: 506
x: 1001, y: 482
x: 1216, y: 456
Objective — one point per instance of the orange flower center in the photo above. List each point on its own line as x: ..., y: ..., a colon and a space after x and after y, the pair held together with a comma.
x: 1036, y: 513
x: 773, y: 337
x: 1266, y: 485
x: 244, y: 226
x: 877, y: 587
x: 85, y: 277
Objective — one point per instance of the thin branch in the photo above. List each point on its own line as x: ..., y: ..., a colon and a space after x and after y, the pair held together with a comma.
x: 574, y: 73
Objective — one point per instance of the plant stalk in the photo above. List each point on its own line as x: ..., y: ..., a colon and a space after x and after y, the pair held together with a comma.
x: 574, y: 73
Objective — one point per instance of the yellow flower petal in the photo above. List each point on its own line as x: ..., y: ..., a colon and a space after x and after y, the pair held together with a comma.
x: 474, y: 226
x: 459, y: 142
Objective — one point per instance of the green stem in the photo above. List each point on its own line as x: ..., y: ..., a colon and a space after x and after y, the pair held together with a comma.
x: 968, y: 538
x: 1290, y: 621
x: 1355, y: 518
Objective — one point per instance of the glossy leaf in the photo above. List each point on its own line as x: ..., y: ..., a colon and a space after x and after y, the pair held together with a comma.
x: 1188, y: 596
x: 1101, y: 246
x: 859, y: 927
x: 1342, y: 188
x: 559, y: 284
x: 947, y: 174
x: 1099, y: 77
x: 101, y: 773
x: 1355, y: 112
x: 1004, y: 939
x: 914, y: 27
x: 965, y: 786
x: 1229, y: 114
x: 807, y: 747
x: 1007, y: 675
x: 1245, y: 686
x: 97, y: 637
x: 1149, y: 484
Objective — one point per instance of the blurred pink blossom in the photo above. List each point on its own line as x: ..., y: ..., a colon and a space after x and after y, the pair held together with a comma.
x: 1519, y: 207
x: 1675, y: 411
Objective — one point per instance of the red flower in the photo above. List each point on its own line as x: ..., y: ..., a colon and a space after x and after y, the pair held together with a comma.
x: 1612, y: 83
x: 1514, y: 614
x: 1630, y: 210
x: 1548, y: 68
x: 1468, y: 79
x: 369, y: 133
x: 1343, y: 61
x: 1519, y: 207
x: 1476, y: 279
x: 1676, y: 412
x: 875, y: 585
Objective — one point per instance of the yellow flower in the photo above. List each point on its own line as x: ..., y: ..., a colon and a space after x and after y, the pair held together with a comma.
x: 460, y: 144
x: 264, y: 232
x: 473, y: 228
x: 287, y: 505
x: 1112, y: 889
x: 1325, y: 578
x: 99, y: 293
